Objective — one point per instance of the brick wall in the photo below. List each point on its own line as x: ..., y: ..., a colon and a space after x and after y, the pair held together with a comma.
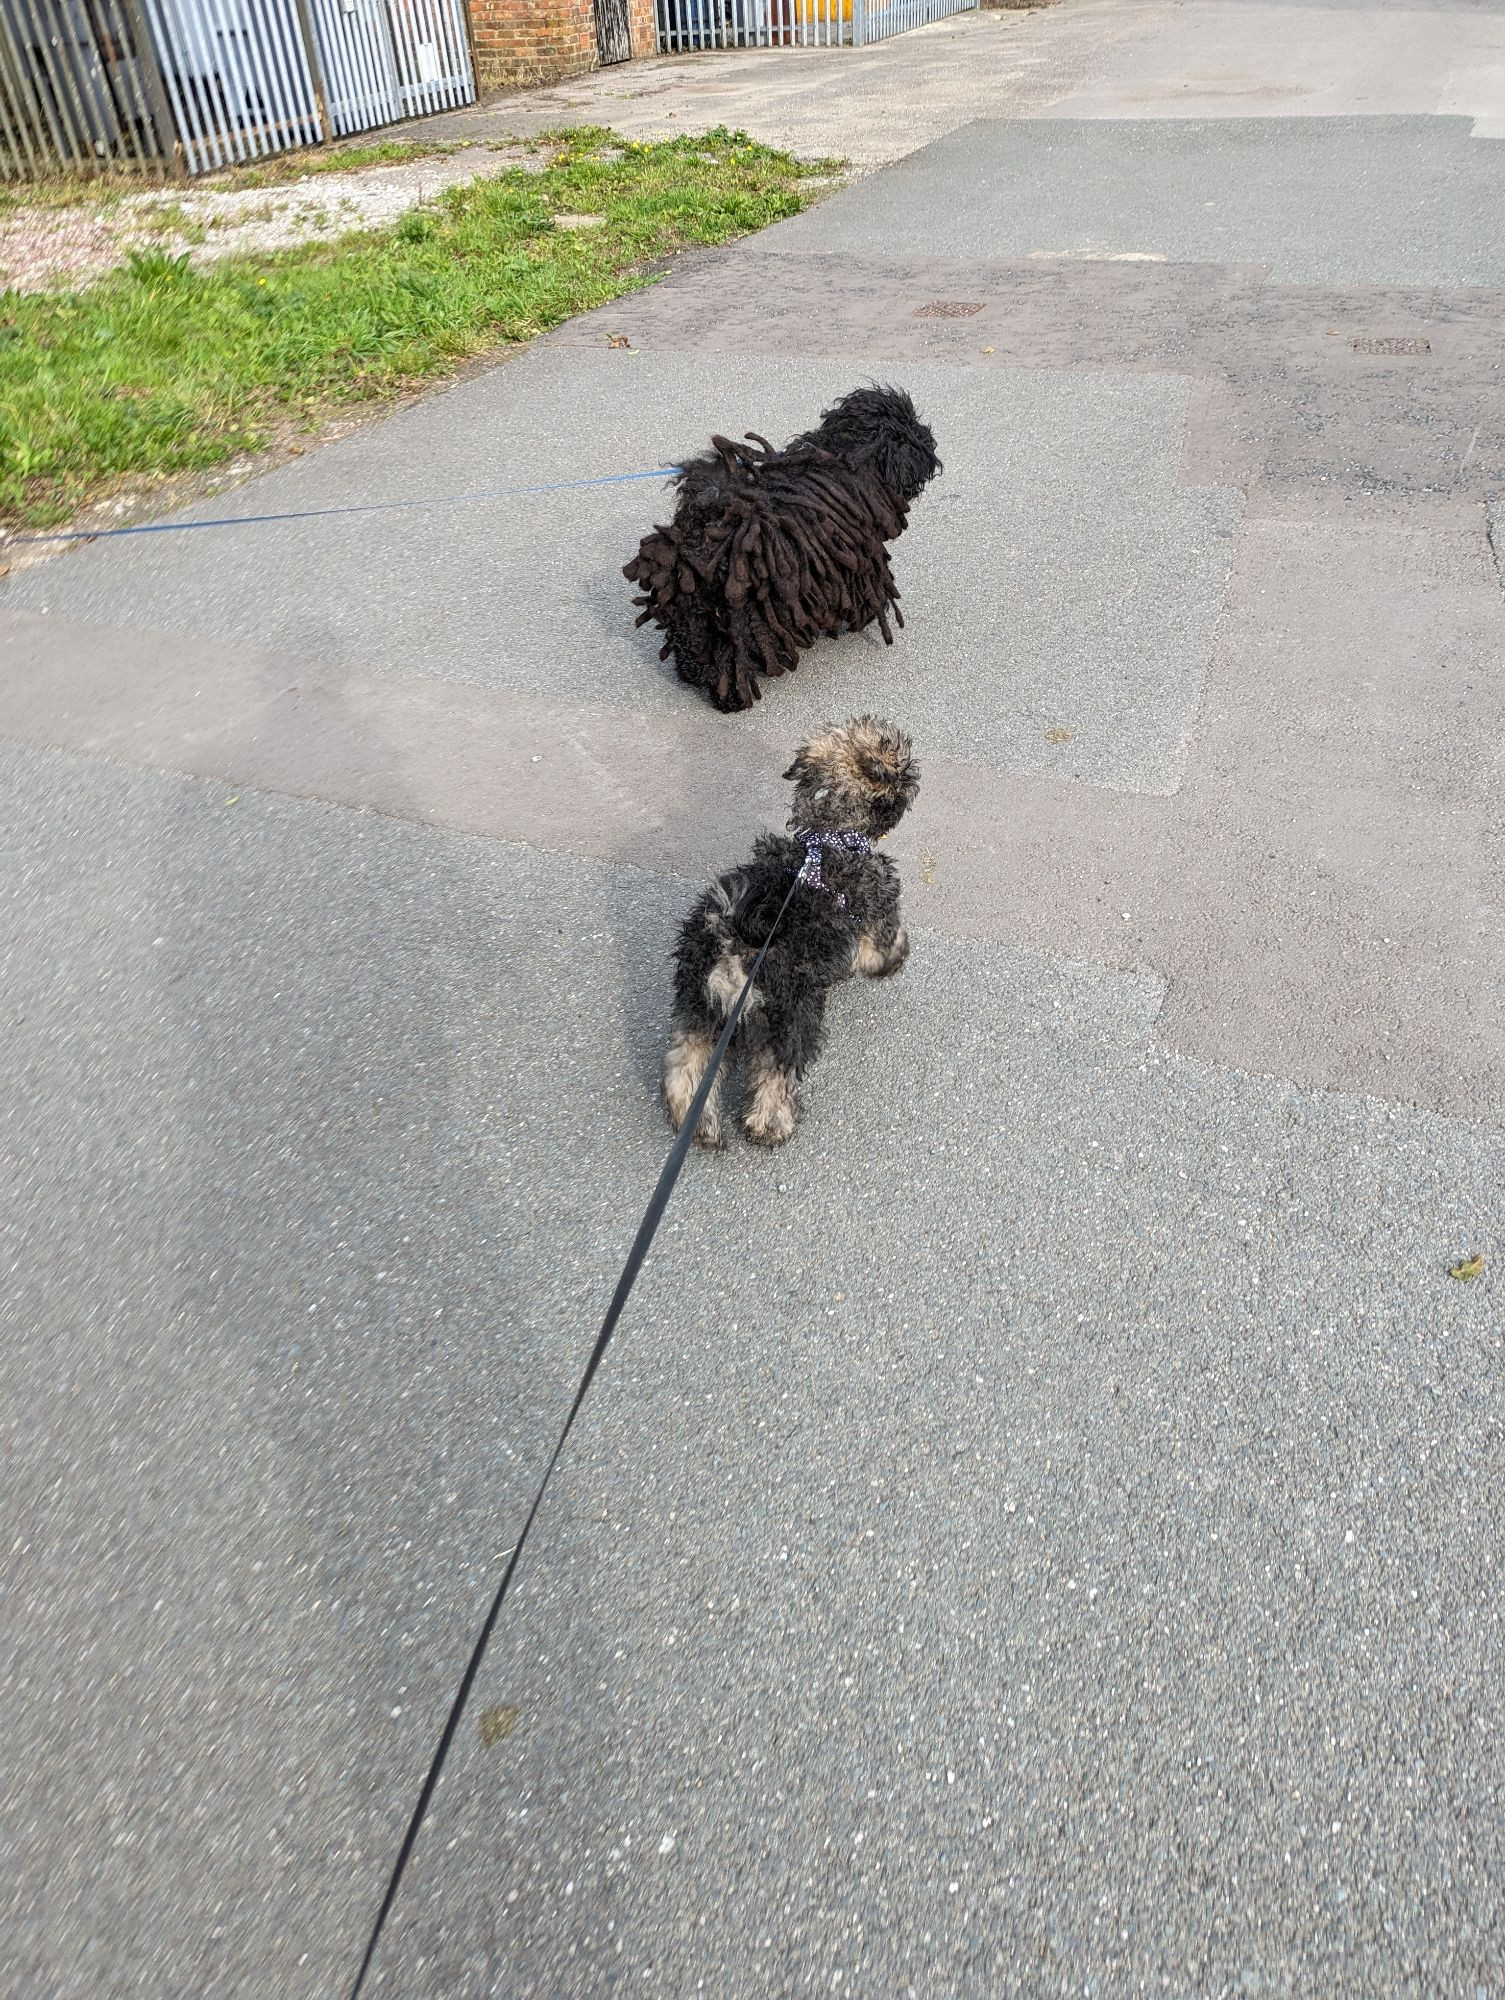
x: 644, y: 28
x: 539, y: 41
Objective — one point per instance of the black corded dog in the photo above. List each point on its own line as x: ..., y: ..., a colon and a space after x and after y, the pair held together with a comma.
x: 771, y: 550
x: 851, y: 786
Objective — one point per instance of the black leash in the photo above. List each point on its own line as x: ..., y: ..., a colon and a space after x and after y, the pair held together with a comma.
x: 641, y: 1243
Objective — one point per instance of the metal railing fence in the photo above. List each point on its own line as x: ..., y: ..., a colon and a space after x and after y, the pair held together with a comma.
x: 687, y: 25
x: 194, y: 85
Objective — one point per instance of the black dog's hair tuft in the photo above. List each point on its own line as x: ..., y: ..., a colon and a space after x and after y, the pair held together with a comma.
x: 771, y: 550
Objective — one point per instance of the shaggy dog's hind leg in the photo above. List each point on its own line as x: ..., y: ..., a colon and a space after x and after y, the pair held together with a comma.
x: 710, y: 981
x: 779, y: 1045
x: 769, y: 1108
x: 880, y: 953
x: 685, y: 1065
x: 882, y: 941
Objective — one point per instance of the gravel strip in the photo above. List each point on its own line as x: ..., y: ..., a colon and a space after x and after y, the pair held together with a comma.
x: 49, y: 249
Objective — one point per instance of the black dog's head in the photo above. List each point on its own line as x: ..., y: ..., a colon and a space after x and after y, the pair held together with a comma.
x: 881, y: 428
x: 862, y: 776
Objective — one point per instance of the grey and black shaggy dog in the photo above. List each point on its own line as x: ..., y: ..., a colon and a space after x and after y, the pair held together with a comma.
x: 771, y: 550
x: 851, y: 786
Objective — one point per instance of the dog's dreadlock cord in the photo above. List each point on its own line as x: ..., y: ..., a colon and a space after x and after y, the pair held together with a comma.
x: 800, y: 544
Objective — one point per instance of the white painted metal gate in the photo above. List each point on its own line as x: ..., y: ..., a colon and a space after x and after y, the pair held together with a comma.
x: 875, y: 23
x: 237, y: 77
x: 249, y: 77
x: 391, y: 59
x: 793, y: 24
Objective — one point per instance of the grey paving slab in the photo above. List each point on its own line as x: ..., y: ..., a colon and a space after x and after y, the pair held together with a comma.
x: 1120, y: 1552
x: 1380, y: 201
x: 1309, y: 398
x: 307, y: 1208
x: 1057, y: 565
x: 864, y: 106
x: 1029, y: 1602
x: 1079, y: 59
x: 1323, y: 895
x: 1249, y: 59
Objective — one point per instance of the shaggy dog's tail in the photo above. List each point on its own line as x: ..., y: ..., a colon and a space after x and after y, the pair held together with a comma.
x: 739, y: 928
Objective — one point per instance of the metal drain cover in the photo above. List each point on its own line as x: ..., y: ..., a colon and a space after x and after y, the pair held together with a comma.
x: 1365, y: 344
x: 948, y: 309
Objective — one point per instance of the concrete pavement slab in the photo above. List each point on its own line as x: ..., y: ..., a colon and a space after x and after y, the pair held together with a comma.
x: 1323, y: 893
x: 1325, y: 59
x: 1083, y: 59
x: 1079, y: 1736
x: 865, y: 106
x: 1363, y: 201
x: 278, y: 1358
x: 1104, y: 574
x: 1142, y: 1514
x: 1040, y: 1531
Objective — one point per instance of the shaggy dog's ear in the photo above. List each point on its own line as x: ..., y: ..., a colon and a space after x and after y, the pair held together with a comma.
x: 906, y: 458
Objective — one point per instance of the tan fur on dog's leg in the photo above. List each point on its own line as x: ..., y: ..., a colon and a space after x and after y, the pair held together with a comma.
x: 874, y: 962
x: 770, y: 1112
x: 685, y: 1064
x: 724, y: 983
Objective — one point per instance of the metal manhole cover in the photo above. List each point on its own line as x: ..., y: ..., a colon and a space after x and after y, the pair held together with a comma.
x: 948, y: 309
x: 1363, y: 344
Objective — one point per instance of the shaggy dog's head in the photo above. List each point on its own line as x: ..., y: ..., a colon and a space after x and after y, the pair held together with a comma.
x: 861, y: 776
x: 881, y: 428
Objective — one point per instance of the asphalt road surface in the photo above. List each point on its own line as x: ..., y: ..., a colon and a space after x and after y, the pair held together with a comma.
x: 1039, y: 1533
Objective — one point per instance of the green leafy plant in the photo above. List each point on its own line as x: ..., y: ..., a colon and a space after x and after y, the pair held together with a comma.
x: 156, y: 268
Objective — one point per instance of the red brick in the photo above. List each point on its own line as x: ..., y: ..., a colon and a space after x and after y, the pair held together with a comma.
x: 541, y: 41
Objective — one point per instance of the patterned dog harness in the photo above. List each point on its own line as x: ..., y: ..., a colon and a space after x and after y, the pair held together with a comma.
x: 843, y: 842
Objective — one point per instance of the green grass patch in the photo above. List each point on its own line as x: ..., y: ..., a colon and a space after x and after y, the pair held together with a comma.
x: 160, y: 368
x: 282, y: 167
x: 105, y: 189
x: 100, y: 190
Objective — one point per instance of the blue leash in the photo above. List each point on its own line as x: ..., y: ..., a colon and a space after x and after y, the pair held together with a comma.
x: 324, y: 513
